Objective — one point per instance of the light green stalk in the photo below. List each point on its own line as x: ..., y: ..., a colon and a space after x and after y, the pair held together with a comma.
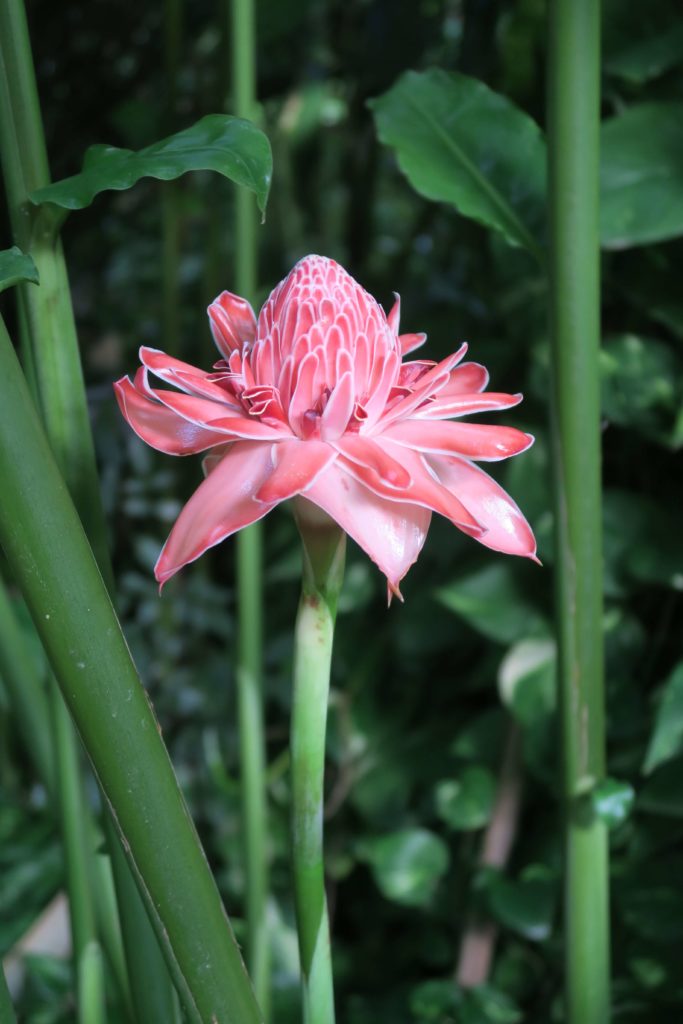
x: 48, y: 322
x: 51, y: 561
x: 324, y: 547
x: 249, y: 566
x: 573, y: 119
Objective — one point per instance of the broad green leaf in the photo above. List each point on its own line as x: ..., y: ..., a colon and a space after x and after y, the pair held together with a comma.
x: 458, y: 142
x: 492, y: 603
x: 642, y: 176
x: 527, y: 681
x: 488, y: 1005
x: 666, y: 741
x: 640, y: 385
x: 465, y: 803
x: 234, y: 148
x: 642, y: 41
x: 407, y: 865
x: 526, y: 905
x: 16, y: 266
x: 663, y: 791
x: 612, y: 801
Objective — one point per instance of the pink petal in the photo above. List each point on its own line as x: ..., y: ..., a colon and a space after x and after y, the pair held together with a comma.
x: 222, y: 504
x: 423, y: 489
x: 507, y: 529
x: 217, y: 417
x: 165, y: 367
x: 463, y: 405
x: 302, y: 397
x: 411, y: 342
x: 473, y: 440
x: 391, y: 533
x: 160, y: 427
x: 232, y: 322
x: 338, y: 410
x: 431, y: 382
x: 394, y: 316
x: 364, y: 451
x: 465, y: 379
x: 297, y: 465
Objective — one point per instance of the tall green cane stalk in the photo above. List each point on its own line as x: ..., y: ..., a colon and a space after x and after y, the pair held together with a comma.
x: 249, y: 566
x: 573, y: 118
x: 324, y: 548
x: 54, y: 358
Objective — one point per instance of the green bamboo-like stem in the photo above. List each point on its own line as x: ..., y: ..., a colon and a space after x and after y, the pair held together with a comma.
x: 51, y: 561
x: 170, y: 190
x: 78, y: 860
x: 324, y: 547
x: 27, y: 693
x: 249, y: 565
x: 7, y: 1014
x: 573, y: 119
x: 52, y: 347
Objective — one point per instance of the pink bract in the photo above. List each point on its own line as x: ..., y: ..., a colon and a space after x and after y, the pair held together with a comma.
x: 315, y: 399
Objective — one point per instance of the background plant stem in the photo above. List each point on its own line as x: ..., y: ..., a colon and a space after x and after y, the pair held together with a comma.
x: 323, y: 570
x: 47, y: 315
x: 573, y: 118
x: 170, y: 190
x: 249, y: 564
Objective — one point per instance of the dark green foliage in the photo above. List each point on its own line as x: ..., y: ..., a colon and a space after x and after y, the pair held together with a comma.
x: 423, y: 693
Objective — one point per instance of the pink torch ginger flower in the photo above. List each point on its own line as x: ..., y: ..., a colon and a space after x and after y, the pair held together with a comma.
x: 315, y: 399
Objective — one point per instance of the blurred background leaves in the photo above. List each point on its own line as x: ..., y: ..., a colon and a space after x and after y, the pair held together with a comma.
x: 423, y: 694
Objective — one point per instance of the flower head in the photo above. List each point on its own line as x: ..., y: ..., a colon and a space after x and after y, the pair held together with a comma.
x: 315, y: 399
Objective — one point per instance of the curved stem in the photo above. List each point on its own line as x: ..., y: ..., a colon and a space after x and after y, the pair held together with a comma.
x: 574, y: 125
x: 323, y: 568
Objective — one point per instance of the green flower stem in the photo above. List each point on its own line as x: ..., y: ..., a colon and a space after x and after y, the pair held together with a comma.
x: 27, y: 693
x: 46, y: 314
x: 249, y: 566
x: 78, y: 860
x: 573, y: 118
x: 324, y: 546
x: 7, y: 1014
x: 52, y: 562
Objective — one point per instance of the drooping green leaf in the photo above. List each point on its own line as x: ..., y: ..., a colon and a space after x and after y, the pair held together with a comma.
x: 465, y: 803
x: 16, y: 266
x: 612, y: 801
x: 230, y: 146
x: 492, y: 603
x: 666, y: 741
x: 527, y: 904
x: 458, y: 142
x: 642, y: 176
x: 406, y: 865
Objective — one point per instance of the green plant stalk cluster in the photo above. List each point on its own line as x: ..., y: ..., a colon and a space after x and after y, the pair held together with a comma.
x: 573, y: 117
x: 249, y: 566
x: 52, y: 561
x: 324, y: 548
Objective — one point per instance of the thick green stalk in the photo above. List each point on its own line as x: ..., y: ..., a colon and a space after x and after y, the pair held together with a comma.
x: 48, y: 320
x: 324, y: 546
x: 573, y: 119
x: 78, y: 859
x: 52, y: 562
x: 249, y: 566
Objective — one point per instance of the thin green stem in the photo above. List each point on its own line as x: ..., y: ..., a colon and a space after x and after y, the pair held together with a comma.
x: 573, y: 119
x: 249, y: 565
x: 26, y: 690
x: 49, y: 328
x: 324, y: 547
x: 78, y: 860
x: 7, y: 1014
